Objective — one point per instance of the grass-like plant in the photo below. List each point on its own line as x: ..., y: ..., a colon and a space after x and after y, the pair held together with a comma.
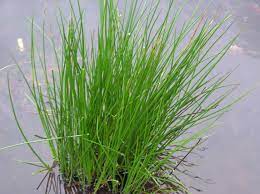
x: 118, y: 111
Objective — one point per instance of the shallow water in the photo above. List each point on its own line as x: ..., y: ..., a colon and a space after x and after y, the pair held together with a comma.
x: 232, y: 158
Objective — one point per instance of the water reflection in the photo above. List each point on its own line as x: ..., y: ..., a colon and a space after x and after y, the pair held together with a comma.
x: 234, y: 150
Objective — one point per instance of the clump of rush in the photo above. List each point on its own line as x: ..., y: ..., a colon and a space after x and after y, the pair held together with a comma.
x: 122, y: 106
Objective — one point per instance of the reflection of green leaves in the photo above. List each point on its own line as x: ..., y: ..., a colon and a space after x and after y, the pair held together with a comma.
x: 117, y: 104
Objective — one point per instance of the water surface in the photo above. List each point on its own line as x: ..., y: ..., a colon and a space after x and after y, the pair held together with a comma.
x: 232, y: 158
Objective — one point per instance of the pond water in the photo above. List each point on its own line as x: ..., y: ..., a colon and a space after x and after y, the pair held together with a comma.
x: 232, y: 158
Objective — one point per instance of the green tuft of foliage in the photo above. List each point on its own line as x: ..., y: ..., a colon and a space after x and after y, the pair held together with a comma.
x: 117, y: 111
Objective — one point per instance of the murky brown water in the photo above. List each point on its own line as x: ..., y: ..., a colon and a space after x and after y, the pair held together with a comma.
x: 233, y: 155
